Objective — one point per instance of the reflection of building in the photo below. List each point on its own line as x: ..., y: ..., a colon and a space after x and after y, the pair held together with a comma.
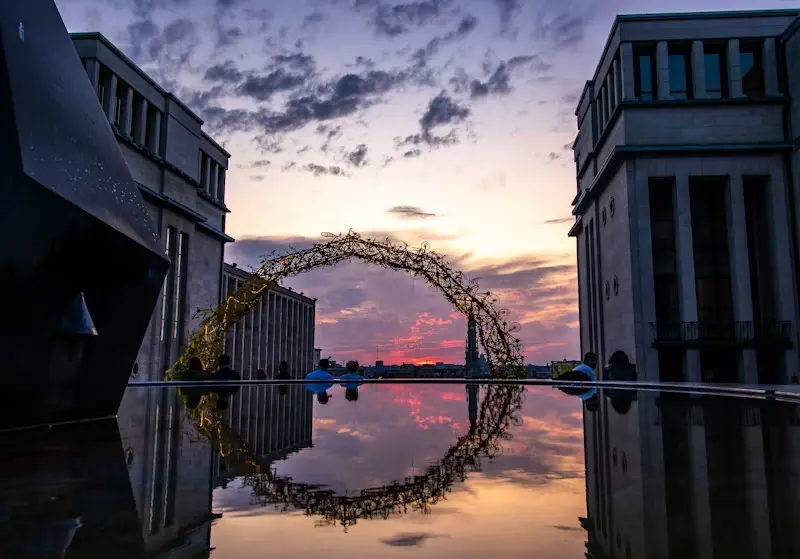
x: 317, y: 355
x: 181, y: 175
x: 686, y: 249
x: 674, y: 476
x: 170, y: 476
x: 276, y: 422
x: 279, y: 328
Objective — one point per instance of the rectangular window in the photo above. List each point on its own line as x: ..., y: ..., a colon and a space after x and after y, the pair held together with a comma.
x: 119, y: 103
x: 680, y: 72
x: 136, y: 118
x: 180, y: 287
x: 101, y: 85
x: 750, y: 57
x: 644, y: 70
x: 715, y: 63
x: 169, y: 250
x: 204, y: 178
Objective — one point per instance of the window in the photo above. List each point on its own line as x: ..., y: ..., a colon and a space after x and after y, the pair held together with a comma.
x: 612, y: 206
x: 603, y: 214
x: 715, y: 62
x: 644, y: 72
x: 752, y: 69
x: 137, y: 122
x: 680, y: 72
x: 119, y: 104
x: 180, y: 287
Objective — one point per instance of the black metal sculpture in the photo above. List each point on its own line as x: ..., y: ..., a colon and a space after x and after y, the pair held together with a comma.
x: 80, y: 261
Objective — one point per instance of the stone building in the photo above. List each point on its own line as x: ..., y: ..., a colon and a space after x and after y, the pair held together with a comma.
x: 180, y: 171
x: 686, y: 196
x: 279, y: 328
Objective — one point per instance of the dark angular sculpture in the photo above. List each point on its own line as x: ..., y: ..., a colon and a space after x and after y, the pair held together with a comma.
x: 80, y: 260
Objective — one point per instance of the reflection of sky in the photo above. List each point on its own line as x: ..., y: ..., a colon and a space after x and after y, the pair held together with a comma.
x: 525, y: 502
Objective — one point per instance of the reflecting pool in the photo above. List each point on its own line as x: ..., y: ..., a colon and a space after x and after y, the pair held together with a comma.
x: 408, y: 471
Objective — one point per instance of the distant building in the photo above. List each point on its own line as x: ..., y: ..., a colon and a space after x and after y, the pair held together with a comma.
x: 181, y: 172
x: 279, y: 328
x: 687, y: 172
x: 317, y: 356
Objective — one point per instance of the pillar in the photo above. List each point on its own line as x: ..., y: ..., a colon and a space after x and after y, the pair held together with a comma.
x: 127, y: 112
x: 609, y: 94
x: 740, y: 271
x: 698, y: 474
x: 687, y: 288
x: 141, y: 124
x: 154, y: 141
x: 770, y: 65
x: 734, y: 69
x: 110, y: 96
x: 628, y: 85
x: 755, y: 485
x: 784, y: 280
x: 205, y: 179
x: 221, y: 184
x: 698, y: 70
x: 212, y: 180
x: 662, y: 70
x: 615, y: 69
x: 92, y: 66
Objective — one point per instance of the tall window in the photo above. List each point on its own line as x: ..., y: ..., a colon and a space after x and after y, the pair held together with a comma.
x: 715, y: 65
x: 750, y: 53
x: 680, y: 72
x: 662, y: 237
x: 644, y: 72
x: 138, y: 120
x: 169, y: 250
x: 180, y: 287
x: 119, y: 103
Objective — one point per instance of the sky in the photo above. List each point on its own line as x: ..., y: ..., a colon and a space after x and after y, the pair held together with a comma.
x: 447, y: 122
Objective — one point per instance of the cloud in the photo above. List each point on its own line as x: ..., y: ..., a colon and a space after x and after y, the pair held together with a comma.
x: 319, y: 170
x: 559, y: 220
x: 392, y: 20
x: 313, y: 19
x: 442, y: 110
x: 409, y: 212
x: 409, y: 540
x: 499, y: 75
x: 506, y: 10
x: 358, y: 157
x: 564, y: 30
x: 422, y: 56
x: 225, y: 72
x: 553, y: 156
x: 410, y: 321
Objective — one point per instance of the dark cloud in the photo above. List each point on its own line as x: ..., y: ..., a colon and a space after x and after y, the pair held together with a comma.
x: 568, y: 528
x: 422, y: 56
x: 391, y: 20
x: 564, y: 30
x: 169, y: 48
x: 302, y: 150
x: 313, y: 19
x: 262, y: 88
x: 507, y: 9
x: 257, y: 177
x: 319, y: 170
x: 560, y: 220
x: 358, y: 157
x: 499, y: 80
x: 412, y: 153
x: 261, y: 163
x: 553, y: 156
x: 410, y: 212
x: 225, y: 72
x: 228, y: 36
x: 442, y: 110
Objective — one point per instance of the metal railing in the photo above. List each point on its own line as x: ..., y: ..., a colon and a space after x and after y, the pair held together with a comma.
x: 733, y: 332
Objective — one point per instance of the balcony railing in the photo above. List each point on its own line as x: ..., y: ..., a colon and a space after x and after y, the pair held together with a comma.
x: 741, y: 333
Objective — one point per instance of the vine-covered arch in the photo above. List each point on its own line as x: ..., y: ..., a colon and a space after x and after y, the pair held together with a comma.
x: 496, y: 335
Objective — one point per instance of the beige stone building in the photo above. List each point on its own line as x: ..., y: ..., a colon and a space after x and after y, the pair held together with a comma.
x: 686, y: 197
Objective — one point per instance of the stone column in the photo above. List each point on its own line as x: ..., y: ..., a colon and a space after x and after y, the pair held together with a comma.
x: 662, y: 70
x: 770, y: 64
x: 687, y: 288
x: 783, y: 278
x: 615, y: 69
x: 127, y: 112
x: 628, y: 85
x: 212, y: 180
x: 154, y: 141
x: 740, y: 270
x: 734, y: 69
x: 110, y: 96
x: 141, y: 124
x: 698, y: 70
x: 92, y: 66
x: 221, y: 184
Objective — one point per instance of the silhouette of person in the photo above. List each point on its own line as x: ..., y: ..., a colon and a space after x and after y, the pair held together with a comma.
x: 224, y: 372
x: 195, y: 372
x: 261, y: 374
x: 351, y: 387
x: 351, y: 394
x: 283, y: 371
x: 320, y: 374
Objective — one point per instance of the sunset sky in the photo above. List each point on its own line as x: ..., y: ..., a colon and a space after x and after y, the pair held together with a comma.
x: 446, y: 121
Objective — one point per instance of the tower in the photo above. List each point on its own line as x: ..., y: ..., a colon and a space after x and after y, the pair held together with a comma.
x: 473, y: 366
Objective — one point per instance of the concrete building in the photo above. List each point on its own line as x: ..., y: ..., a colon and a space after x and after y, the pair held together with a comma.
x: 279, y: 328
x: 686, y: 196
x: 180, y: 171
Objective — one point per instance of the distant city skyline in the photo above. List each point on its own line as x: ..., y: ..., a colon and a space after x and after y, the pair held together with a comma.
x: 430, y: 121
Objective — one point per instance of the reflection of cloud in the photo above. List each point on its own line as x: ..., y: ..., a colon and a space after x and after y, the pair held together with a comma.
x: 409, y: 540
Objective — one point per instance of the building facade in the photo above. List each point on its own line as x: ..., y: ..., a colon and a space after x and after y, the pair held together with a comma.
x: 685, y: 203
x: 279, y: 328
x: 181, y: 173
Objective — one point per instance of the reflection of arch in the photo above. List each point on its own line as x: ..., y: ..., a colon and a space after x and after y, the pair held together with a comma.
x: 503, y: 349
x: 415, y: 493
